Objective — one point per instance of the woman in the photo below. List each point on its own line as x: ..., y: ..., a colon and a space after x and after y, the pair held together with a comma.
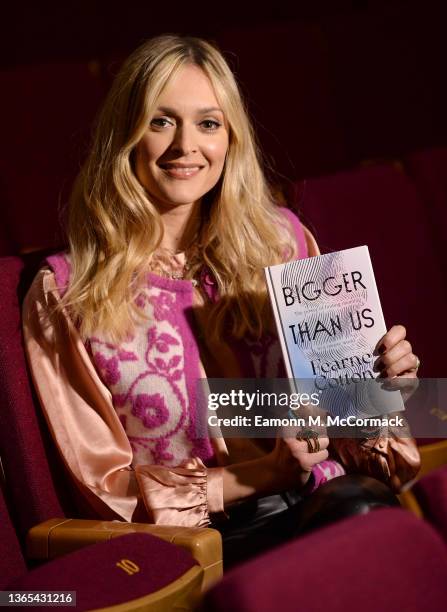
x: 171, y: 224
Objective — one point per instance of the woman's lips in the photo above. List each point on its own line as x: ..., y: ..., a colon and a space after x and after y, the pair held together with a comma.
x: 181, y: 172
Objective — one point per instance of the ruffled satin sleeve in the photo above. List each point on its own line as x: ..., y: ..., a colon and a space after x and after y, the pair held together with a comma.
x: 184, y: 495
x: 89, y: 435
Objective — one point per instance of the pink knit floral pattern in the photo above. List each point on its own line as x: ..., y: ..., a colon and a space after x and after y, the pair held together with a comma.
x: 326, y: 470
x: 146, y: 375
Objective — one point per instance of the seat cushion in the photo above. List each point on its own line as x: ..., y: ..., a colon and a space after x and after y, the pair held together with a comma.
x: 24, y: 453
x: 97, y: 579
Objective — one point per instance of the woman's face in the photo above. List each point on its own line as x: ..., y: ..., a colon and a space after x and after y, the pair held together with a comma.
x: 182, y: 154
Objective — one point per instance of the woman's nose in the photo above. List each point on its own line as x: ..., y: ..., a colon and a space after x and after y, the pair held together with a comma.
x: 185, y: 140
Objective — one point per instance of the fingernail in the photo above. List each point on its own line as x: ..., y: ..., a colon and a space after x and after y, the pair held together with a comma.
x: 377, y: 365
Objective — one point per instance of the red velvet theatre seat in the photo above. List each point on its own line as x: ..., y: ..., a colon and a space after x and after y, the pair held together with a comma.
x: 48, y: 520
x: 384, y: 560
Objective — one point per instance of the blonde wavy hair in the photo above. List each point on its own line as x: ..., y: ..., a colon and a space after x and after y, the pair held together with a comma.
x: 114, y: 228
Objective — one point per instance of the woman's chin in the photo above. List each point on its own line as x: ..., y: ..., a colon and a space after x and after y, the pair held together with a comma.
x: 169, y: 201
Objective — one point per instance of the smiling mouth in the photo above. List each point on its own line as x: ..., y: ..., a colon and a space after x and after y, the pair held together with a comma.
x: 181, y: 171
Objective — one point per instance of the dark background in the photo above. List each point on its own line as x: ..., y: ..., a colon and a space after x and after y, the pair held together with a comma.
x: 348, y: 99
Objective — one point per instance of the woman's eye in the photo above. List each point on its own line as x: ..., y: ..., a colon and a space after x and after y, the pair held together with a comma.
x: 210, y: 125
x: 160, y: 122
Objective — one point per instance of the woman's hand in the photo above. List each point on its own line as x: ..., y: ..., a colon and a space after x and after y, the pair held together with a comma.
x: 396, y: 357
x: 292, y: 463
x: 396, y: 362
x: 287, y: 466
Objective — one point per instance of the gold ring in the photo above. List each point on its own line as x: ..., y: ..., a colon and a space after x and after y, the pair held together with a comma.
x: 418, y: 363
x: 310, y: 436
x: 311, y: 442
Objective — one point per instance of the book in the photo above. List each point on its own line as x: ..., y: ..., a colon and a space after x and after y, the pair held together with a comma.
x: 329, y: 319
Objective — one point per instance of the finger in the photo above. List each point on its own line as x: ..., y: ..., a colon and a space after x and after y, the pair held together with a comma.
x: 324, y: 442
x: 400, y: 383
x: 393, y: 355
x: 407, y: 385
x: 410, y: 374
x: 297, y: 447
x: 403, y: 365
x: 392, y: 337
x: 310, y: 459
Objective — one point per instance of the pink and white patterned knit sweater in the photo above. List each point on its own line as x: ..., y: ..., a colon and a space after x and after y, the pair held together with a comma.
x: 153, y: 374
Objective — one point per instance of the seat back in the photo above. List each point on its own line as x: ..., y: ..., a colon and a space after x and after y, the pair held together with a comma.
x: 431, y: 494
x: 379, y: 206
x: 312, y: 141
x: 428, y: 170
x: 46, y: 140
x: 25, y: 447
x: 384, y: 560
x: 12, y: 564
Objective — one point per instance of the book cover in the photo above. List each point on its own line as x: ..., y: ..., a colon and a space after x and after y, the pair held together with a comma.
x: 329, y: 320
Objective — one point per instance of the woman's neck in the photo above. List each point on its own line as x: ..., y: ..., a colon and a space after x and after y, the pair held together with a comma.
x: 181, y: 225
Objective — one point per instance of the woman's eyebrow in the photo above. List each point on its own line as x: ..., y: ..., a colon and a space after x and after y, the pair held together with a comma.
x: 202, y: 111
x: 210, y: 109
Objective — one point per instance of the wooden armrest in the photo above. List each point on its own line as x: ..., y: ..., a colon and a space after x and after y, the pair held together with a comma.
x: 60, y: 536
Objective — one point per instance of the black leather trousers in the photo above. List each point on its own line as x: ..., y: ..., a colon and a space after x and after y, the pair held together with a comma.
x: 258, y: 525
